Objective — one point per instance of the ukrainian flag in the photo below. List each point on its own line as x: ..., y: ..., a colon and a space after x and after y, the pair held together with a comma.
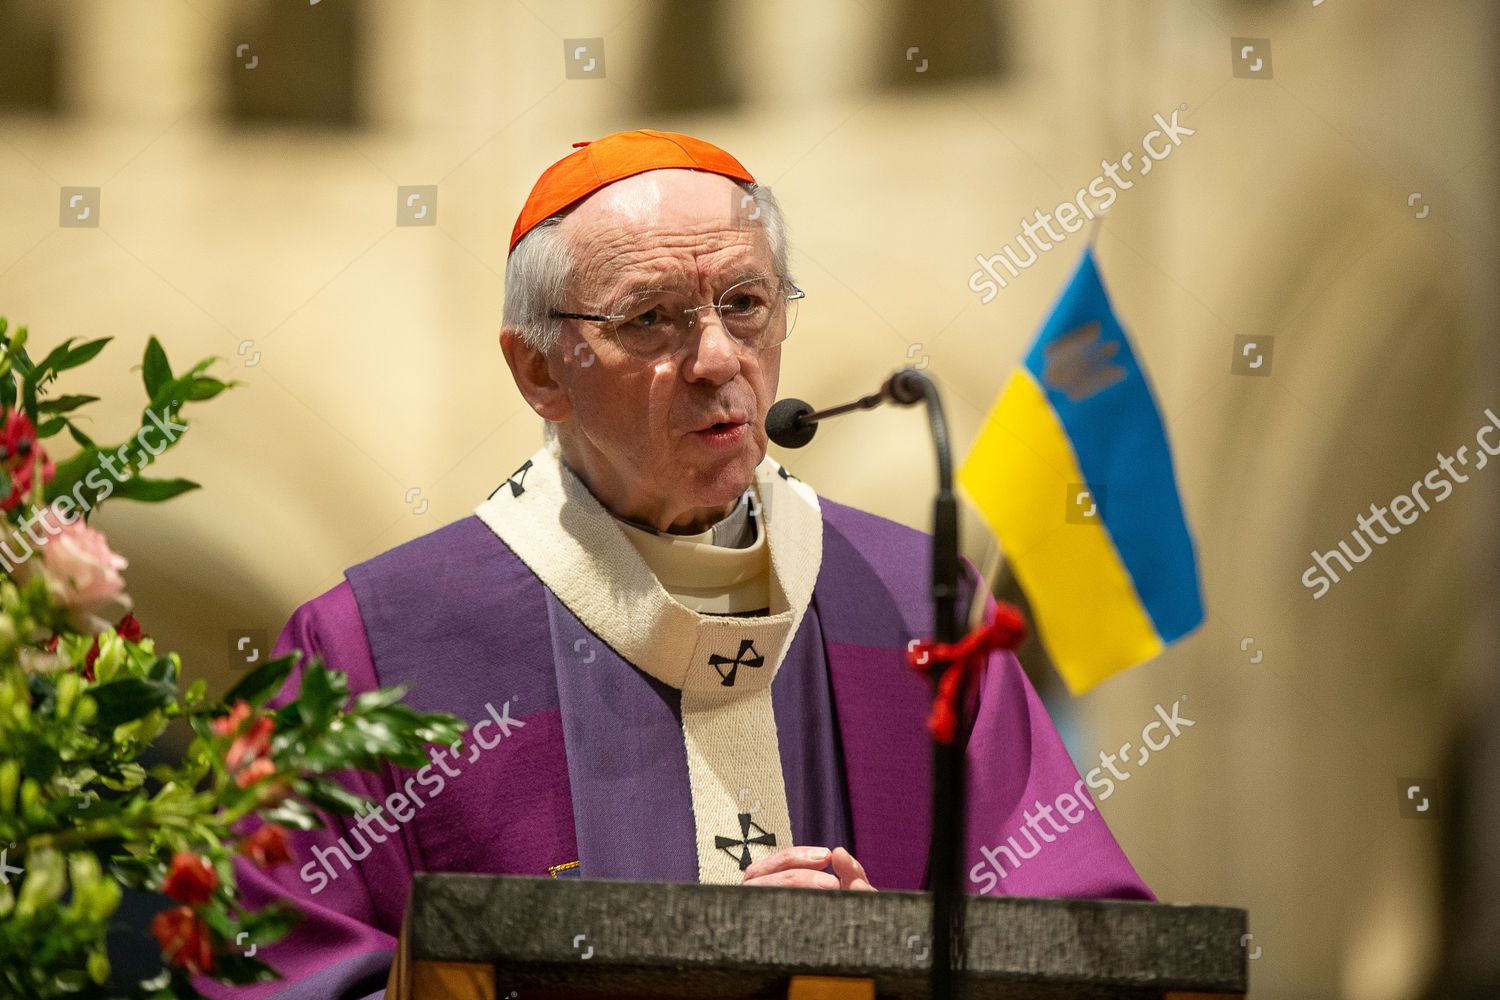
x: 1073, y: 472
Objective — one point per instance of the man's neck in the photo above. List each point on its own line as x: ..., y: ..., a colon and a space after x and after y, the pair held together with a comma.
x: 736, y: 530
x: 690, y: 522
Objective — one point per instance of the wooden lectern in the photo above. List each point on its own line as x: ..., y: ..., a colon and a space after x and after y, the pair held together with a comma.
x: 484, y: 937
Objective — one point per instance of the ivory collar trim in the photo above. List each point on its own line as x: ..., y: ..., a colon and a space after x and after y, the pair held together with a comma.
x: 548, y: 517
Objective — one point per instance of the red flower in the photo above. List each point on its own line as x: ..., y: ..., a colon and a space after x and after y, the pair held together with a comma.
x: 267, y: 847
x: 129, y: 629
x: 252, y: 744
x: 185, y: 939
x: 256, y: 770
x: 228, y: 725
x: 190, y: 879
x: 18, y: 451
x: 248, y: 758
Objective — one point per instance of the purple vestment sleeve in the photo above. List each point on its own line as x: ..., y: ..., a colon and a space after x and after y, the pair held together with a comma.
x: 348, y: 935
x: 1033, y: 827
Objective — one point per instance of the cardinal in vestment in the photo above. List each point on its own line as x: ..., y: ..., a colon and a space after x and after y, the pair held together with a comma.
x: 678, y: 661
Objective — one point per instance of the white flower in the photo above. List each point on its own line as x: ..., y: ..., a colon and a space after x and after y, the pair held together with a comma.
x: 82, y: 574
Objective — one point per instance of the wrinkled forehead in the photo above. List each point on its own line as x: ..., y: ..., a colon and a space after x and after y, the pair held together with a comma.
x: 681, y: 229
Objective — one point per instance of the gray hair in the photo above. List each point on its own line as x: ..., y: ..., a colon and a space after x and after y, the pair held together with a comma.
x: 541, y: 266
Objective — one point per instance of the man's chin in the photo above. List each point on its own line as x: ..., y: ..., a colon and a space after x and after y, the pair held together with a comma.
x: 721, y: 478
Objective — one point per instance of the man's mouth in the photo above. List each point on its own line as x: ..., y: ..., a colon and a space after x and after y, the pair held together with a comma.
x: 722, y: 433
x: 727, y: 422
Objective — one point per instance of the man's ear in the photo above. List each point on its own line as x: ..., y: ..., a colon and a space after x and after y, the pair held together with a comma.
x: 534, y: 376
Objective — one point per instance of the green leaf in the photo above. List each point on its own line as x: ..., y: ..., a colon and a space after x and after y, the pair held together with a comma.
x: 136, y: 872
x: 128, y: 699
x: 47, y: 428
x: 269, y: 923
x: 288, y: 717
x: 155, y: 369
x: 65, y: 356
x: 323, y: 694
x: 202, y: 725
x: 39, y: 761
x: 204, y: 387
x: 330, y: 795
x: 28, y: 399
x: 83, y: 440
x: 71, y: 472
x: 53, y: 357
x: 82, y: 354
x: 376, y: 736
x: 262, y: 682
x: 294, y: 814
x: 164, y: 670
x: 240, y: 969
x: 64, y: 404
x: 371, y: 700
x: 202, y: 366
x: 153, y: 490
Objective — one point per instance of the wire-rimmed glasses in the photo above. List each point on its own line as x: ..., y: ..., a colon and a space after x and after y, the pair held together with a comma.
x: 649, y: 323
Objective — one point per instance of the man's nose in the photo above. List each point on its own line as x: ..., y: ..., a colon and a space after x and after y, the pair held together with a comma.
x: 715, y: 354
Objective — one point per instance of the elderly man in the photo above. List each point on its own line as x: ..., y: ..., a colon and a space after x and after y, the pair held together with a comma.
x: 681, y: 663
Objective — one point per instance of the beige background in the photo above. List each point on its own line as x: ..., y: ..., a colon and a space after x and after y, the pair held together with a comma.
x: 375, y: 367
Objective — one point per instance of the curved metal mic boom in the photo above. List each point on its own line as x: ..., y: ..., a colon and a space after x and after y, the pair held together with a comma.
x: 792, y: 423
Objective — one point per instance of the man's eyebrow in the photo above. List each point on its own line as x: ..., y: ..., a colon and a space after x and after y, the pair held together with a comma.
x: 747, y: 274
x: 641, y: 279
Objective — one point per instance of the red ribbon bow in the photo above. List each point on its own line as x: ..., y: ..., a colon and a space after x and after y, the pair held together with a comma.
x: 1005, y: 630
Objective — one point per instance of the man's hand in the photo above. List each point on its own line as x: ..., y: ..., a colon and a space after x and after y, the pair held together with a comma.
x: 801, y: 867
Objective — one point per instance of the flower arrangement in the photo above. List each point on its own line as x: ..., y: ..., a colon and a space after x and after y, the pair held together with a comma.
x: 85, y: 694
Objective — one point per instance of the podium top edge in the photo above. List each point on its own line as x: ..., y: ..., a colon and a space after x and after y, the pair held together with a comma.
x: 472, y: 878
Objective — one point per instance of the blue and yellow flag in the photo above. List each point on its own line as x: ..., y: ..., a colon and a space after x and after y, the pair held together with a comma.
x: 1073, y: 472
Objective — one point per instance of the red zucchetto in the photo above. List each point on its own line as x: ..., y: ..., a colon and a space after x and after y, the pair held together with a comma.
x: 594, y: 164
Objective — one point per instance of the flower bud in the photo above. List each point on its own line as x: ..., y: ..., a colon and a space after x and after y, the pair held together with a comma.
x: 10, y: 781
x: 68, y: 686
x: 31, y: 802
x: 98, y: 967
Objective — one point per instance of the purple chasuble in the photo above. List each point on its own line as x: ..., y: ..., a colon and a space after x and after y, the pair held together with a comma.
x: 575, y: 765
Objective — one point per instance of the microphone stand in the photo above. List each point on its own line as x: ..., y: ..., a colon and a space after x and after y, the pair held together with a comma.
x: 792, y: 423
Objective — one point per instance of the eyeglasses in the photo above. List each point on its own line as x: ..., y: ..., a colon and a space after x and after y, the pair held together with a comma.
x: 655, y: 322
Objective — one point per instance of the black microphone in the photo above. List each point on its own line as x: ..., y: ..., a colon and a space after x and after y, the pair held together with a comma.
x: 784, y: 424
x: 792, y: 423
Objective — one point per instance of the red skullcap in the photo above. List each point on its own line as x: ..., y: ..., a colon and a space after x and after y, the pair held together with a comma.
x: 594, y: 164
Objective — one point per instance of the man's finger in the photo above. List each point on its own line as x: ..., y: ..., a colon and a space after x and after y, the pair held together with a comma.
x: 787, y: 858
x: 848, y: 869
x: 797, y: 878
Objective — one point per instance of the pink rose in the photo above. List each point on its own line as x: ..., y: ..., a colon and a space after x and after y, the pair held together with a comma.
x: 83, y: 574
